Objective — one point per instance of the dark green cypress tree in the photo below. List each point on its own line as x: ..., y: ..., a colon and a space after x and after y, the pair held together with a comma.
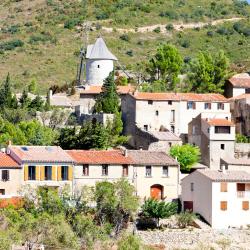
x: 5, y: 94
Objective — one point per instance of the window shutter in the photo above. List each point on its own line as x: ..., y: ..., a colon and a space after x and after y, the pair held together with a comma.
x: 37, y: 173
x: 53, y: 174
x: 42, y: 173
x: 223, y: 187
x: 222, y: 106
x: 194, y: 105
x: 59, y: 173
x: 223, y: 205
x: 209, y: 105
x: 245, y: 205
x: 26, y: 172
x: 70, y: 173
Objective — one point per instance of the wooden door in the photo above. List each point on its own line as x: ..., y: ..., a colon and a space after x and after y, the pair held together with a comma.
x: 188, y: 205
x: 156, y: 192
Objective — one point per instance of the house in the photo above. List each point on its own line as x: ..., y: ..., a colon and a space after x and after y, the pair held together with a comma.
x: 42, y: 166
x: 240, y: 109
x: 215, y: 136
x: 88, y: 95
x: 99, y: 62
x: 167, y: 111
x: 155, y: 140
x: 237, y: 85
x: 154, y: 174
x: 231, y: 163
x: 10, y: 176
x: 220, y: 197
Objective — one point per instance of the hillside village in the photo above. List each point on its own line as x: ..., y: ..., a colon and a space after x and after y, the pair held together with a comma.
x: 133, y: 161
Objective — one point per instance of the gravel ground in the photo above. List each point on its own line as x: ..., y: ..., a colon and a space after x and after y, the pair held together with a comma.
x: 194, y: 238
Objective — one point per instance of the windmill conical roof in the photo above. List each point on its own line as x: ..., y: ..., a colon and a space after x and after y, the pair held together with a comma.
x: 99, y: 51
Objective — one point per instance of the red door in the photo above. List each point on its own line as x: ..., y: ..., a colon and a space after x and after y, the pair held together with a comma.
x: 156, y: 192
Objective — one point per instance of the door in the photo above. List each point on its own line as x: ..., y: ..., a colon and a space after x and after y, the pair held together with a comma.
x: 156, y: 192
x: 188, y: 205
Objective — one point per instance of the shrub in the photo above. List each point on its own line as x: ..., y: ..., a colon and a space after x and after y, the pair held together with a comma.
x: 125, y: 37
x: 169, y: 27
x: 185, y: 219
x: 157, y: 30
x: 130, y: 53
x: 210, y: 33
x: 11, y: 45
x: 241, y: 138
x: 129, y: 242
x: 71, y: 23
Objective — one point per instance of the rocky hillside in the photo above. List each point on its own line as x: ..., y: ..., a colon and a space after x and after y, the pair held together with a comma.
x: 40, y: 39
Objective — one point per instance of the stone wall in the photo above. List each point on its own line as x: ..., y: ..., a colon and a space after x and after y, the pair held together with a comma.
x: 242, y: 150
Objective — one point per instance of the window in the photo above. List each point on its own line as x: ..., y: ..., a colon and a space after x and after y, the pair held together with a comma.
x: 170, y: 102
x: 192, y: 186
x: 48, y: 173
x: 241, y: 187
x: 223, y: 187
x: 223, y: 205
x: 5, y: 175
x: 32, y: 173
x: 156, y: 112
x: 172, y: 129
x: 245, y: 205
x: 145, y: 127
x: 191, y: 105
x: 64, y: 173
x: 207, y: 105
x: 2, y: 191
x: 105, y: 171
x: 98, y: 66
x: 222, y: 129
x: 220, y: 106
x: 85, y: 169
x: 170, y: 144
x: 172, y: 116
x: 148, y: 171
x: 165, y: 171
x: 194, y: 130
x: 125, y: 170
x: 208, y: 130
x: 150, y: 102
x: 222, y: 146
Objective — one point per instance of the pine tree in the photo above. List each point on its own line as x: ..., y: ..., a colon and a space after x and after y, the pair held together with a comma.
x: 5, y: 94
x: 108, y: 99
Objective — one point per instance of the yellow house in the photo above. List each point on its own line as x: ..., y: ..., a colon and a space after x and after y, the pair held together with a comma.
x: 43, y: 165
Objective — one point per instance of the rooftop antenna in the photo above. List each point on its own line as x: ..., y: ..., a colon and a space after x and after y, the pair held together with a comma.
x: 83, y: 52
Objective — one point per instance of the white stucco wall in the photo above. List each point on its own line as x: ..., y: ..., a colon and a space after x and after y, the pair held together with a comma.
x: 14, y: 183
x: 201, y: 195
x: 234, y: 216
x: 136, y: 176
x: 98, y: 70
x: 238, y: 91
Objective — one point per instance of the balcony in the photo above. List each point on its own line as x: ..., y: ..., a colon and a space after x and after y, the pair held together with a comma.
x: 243, y: 194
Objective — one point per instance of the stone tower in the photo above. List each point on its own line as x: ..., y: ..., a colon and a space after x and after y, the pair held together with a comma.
x: 99, y: 62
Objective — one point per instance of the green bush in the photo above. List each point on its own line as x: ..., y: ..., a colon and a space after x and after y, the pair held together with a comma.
x: 157, y: 30
x: 129, y: 242
x: 241, y: 138
x: 169, y: 27
x: 125, y: 37
x: 11, y: 45
x: 185, y: 219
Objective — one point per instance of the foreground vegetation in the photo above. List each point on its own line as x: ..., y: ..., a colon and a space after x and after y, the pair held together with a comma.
x: 41, y: 40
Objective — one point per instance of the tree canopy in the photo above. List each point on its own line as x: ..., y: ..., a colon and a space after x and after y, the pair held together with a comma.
x: 208, y: 73
x: 187, y: 155
x: 108, y: 100
x: 165, y: 66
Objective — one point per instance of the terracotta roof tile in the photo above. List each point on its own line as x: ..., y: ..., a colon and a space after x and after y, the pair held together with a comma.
x: 180, y: 97
x: 48, y: 154
x: 239, y: 97
x: 240, y: 80
x: 99, y: 157
x: 219, y: 122
x: 7, y: 162
x: 98, y: 89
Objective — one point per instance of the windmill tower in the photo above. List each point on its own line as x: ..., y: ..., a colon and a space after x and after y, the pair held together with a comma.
x: 99, y: 62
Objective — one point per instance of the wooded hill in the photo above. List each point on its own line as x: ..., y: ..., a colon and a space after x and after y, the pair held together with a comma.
x: 40, y: 39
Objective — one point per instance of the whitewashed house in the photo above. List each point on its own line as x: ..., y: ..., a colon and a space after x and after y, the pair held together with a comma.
x: 154, y: 174
x: 100, y: 62
x: 220, y: 197
x: 168, y: 111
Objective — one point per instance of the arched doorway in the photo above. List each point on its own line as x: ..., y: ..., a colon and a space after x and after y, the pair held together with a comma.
x: 156, y: 191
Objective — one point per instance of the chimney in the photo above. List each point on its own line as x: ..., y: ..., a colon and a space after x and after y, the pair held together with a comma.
x: 223, y: 168
x: 125, y: 152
